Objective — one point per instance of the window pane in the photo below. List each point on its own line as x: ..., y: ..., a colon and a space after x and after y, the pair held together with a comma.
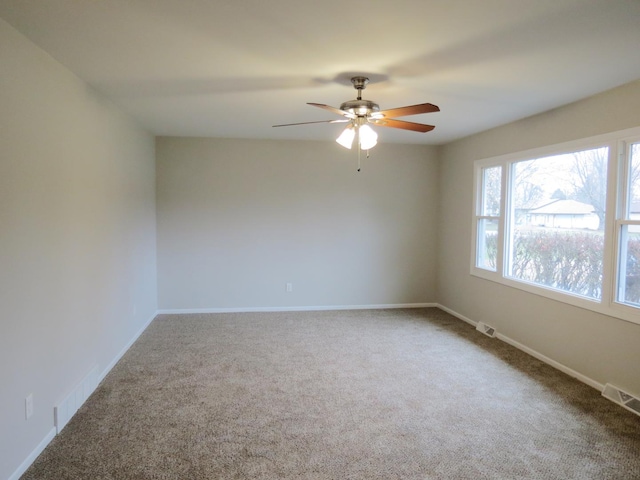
x: 629, y: 291
x: 557, y: 221
x: 487, y: 244
x: 633, y: 212
x: 491, y: 186
x: 629, y: 257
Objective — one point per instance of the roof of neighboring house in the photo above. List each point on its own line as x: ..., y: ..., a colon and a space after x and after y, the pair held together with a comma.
x: 564, y: 207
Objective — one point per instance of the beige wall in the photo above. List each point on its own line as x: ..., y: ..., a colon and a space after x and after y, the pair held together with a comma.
x: 238, y: 219
x: 77, y: 238
x: 602, y: 348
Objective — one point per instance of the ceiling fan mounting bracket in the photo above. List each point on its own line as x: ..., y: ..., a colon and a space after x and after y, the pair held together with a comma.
x: 359, y: 83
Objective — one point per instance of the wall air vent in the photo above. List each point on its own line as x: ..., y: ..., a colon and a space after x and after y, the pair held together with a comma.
x: 623, y: 399
x: 67, y: 408
x: 486, y: 329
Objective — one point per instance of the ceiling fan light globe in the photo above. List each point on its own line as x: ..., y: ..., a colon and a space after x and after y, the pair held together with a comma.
x: 346, y: 137
x: 368, y: 137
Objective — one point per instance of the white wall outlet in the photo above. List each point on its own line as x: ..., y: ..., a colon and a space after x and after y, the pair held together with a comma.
x: 289, y: 287
x: 28, y: 406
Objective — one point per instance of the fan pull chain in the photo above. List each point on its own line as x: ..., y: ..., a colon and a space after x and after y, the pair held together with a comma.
x: 359, y: 150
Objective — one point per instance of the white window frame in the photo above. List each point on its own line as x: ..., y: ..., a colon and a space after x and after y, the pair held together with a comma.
x: 617, y: 197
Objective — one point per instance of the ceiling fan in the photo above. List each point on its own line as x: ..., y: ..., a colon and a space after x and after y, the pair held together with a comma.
x: 360, y: 113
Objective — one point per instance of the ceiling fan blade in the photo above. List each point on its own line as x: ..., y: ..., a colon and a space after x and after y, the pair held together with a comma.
x: 335, y: 110
x: 410, y: 110
x: 306, y: 123
x: 390, y: 122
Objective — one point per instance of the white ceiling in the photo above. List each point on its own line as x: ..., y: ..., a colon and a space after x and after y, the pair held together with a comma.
x: 233, y: 68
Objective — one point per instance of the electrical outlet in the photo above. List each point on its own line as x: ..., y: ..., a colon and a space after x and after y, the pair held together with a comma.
x: 28, y: 406
x: 289, y: 287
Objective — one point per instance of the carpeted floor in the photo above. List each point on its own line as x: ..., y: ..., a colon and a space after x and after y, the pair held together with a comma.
x: 379, y: 394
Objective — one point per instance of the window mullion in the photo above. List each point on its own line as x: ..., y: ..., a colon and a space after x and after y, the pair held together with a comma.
x: 506, y: 242
x: 616, y: 202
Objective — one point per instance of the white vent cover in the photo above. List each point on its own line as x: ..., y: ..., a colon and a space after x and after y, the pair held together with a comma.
x: 67, y: 408
x: 486, y: 329
x: 621, y: 398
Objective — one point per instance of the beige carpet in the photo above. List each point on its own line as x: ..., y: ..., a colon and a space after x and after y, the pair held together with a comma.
x: 383, y: 394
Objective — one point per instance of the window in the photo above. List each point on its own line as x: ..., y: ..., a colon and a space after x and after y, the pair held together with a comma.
x: 564, y: 222
x: 556, y: 224
x: 488, y: 217
x: 628, y: 226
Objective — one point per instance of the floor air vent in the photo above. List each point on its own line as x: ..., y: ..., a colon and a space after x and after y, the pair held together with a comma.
x: 486, y: 329
x: 621, y: 398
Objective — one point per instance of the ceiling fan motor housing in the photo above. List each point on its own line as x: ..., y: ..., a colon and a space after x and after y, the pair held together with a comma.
x: 361, y: 108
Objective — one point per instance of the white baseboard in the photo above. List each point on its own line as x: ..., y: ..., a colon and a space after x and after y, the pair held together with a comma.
x: 296, y: 309
x: 68, y: 407
x: 456, y: 314
x: 33, y: 455
x: 557, y: 365
x: 125, y: 348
